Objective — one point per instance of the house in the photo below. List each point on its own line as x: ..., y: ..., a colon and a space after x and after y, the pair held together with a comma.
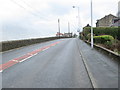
x: 106, y: 21
x: 115, y: 22
x: 59, y: 34
x: 67, y: 35
x: 86, y: 26
x: 119, y: 9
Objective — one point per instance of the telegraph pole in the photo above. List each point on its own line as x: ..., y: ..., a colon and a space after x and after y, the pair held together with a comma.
x: 59, y: 27
x: 69, y: 29
x: 79, y: 19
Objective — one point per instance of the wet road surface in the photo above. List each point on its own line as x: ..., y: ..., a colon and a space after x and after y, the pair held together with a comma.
x: 62, y: 63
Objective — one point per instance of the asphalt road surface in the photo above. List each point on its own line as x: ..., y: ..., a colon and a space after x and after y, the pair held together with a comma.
x: 62, y: 63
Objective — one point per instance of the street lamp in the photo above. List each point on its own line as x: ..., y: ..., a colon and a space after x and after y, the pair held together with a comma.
x: 78, y: 18
x: 91, y: 25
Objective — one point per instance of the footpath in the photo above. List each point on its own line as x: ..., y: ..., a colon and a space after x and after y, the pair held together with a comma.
x: 102, y: 69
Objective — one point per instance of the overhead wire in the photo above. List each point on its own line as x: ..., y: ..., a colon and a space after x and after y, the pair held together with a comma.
x: 37, y: 13
x: 74, y: 26
x: 34, y: 14
x: 48, y: 17
x: 32, y: 7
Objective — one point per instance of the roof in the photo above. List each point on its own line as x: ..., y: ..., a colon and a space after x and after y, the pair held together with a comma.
x: 59, y: 34
x: 107, y: 16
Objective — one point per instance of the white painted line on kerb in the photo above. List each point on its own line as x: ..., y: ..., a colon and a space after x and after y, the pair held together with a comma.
x: 27, y: 58
x: 45, y: 49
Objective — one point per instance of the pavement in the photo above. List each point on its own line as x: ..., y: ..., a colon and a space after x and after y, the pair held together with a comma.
x: 62, y: 63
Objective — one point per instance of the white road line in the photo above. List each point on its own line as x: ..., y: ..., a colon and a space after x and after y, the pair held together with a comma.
x: 15, y: 60
x: 45, y: 49
x: 28, y: 58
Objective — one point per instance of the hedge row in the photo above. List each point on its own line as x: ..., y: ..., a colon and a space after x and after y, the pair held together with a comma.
x: 7, y: 45
x: 113, y: 31
x: 103, y: 39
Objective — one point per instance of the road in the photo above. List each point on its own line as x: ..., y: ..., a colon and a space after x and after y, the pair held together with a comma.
x: 62, y: 63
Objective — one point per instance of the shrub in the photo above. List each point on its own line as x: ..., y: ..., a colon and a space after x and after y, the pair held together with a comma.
x: 113, y: 31
x: 104, y: 39
x: 109, y: 44
x: 89, y: 37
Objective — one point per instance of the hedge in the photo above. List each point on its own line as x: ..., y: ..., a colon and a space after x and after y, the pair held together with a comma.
x: 103, y: 39
x: 7, y: 45
x: 113, y: 31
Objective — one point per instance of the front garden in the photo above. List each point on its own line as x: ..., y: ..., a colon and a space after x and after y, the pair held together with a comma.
x: 108, y: 37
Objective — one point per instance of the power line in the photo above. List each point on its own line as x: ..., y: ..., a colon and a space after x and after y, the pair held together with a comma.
x: 35, y: 9
x: 30, y: 6
x: 68, y: 19
x: 74, y: 27
x: 34, y: 14
x: 18, y: 4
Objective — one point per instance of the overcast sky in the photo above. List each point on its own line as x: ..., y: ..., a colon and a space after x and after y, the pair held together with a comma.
x: 22, y: 19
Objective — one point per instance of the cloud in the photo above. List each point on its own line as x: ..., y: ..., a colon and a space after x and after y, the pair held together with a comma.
x: 9, y: 10
x: 59, y: 9
x: 38, y: 18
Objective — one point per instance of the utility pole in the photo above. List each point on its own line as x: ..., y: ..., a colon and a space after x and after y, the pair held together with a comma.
x: 69, y: 29
x: 78, y: 30
x: 59, y: 27
x: 78, y: 19
x: 91, y: 25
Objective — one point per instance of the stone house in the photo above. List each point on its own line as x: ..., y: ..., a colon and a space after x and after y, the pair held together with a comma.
x: 119, y: 9
x: 67, y: 35
x: 106, y: 21
x: 116, y: 22
x: 59, y: 34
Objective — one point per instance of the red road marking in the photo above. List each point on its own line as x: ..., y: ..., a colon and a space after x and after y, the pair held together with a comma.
x: 17, y: 60
x: 7, y: 65
x: 21, y: 58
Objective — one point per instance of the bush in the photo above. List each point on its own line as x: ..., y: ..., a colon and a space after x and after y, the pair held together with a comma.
x: 113, y: 31
x: 89, y: 37
x: 104, y: 39
x: 109, y: 44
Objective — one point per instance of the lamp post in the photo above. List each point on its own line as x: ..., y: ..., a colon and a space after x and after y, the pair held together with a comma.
x: 59, y: 27
x: 91, y: 25
x: 78, y: 18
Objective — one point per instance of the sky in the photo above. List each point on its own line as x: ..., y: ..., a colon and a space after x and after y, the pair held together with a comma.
x: 25, y: 19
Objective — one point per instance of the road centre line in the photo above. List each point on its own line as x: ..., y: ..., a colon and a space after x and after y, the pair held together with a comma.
x: 45, y: 49
x: 25, y: 57
x: 15, y: 60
